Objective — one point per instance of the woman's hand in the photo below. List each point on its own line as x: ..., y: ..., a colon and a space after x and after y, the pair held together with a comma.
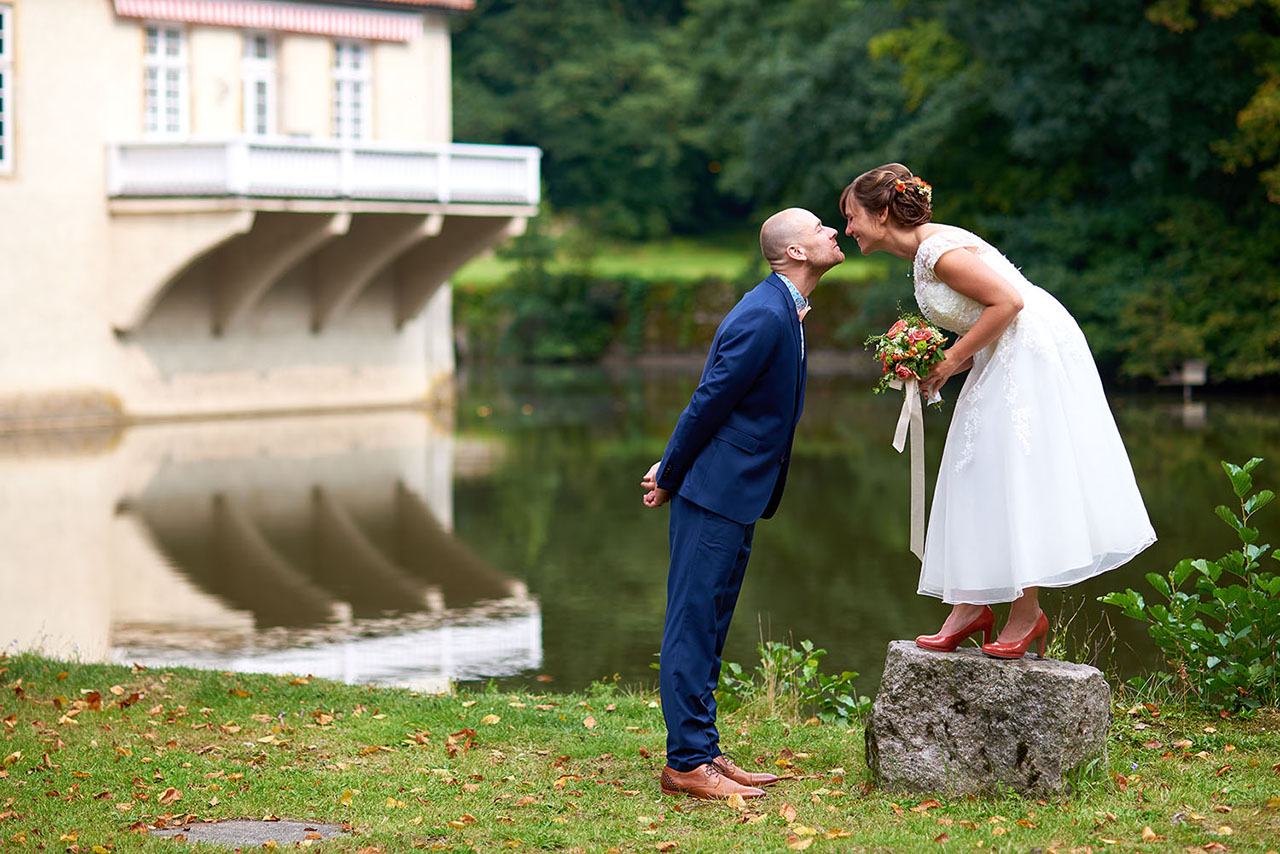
x: 941, y: 372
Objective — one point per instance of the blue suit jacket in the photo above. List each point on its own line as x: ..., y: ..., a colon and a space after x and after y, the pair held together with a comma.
x: 731, y: 447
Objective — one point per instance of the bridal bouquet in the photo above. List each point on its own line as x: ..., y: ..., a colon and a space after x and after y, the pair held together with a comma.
x: 908, y: 350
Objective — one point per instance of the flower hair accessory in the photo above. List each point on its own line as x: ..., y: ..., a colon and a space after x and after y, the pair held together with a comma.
x: 921, y: 186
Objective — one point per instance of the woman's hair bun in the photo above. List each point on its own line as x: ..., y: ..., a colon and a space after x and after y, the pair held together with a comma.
x: 908, y: 199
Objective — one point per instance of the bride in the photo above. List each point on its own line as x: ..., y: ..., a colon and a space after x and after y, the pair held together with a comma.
x: 1035, y: 488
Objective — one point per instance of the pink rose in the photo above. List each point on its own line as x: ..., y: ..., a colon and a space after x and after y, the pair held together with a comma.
x: 896, y: 328
x: 905, y: 373
x: 919, y: 335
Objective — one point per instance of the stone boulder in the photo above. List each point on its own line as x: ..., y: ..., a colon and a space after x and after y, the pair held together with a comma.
x: 959, y: 722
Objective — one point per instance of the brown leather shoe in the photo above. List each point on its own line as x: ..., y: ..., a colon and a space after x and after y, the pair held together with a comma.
x: 704, y: 782
x: 725, y: 765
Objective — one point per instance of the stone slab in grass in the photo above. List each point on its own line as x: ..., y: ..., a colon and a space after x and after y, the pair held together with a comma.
x: 959, y: 723
x: 235, y: 833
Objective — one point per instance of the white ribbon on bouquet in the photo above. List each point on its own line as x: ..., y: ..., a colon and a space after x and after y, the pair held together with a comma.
x: 911, y: 420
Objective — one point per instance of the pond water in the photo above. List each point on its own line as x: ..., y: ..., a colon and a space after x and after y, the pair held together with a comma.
x: 505, y: 539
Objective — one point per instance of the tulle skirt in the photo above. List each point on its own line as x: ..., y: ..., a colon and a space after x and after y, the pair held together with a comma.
x: 1035, y: 488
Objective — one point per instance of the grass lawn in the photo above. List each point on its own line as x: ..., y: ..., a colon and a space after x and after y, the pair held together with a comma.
x: 671, y: 259
x: 92, y: 754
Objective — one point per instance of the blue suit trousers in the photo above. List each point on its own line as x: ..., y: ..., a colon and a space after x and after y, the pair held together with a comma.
x: 709, y: 556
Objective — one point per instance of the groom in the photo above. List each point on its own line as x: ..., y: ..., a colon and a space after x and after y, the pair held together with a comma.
x: 725, y: 467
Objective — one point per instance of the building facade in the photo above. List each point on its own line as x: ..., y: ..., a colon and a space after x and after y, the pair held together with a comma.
x: 232, y: 206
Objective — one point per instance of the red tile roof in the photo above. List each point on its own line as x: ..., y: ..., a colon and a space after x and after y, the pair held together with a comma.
x: 439, y: 4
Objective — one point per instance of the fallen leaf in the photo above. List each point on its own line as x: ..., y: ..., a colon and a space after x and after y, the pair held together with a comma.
x: 62, y: 675
x: 468, y: 704
x: 1182, y: 743
x: 736, y: 801
x: 788, y: 813
x: 795, y: 843
x: 69, y: 837
x: 1149, y: 835
x: 941, y: 838
x: 665, y: 846
x: 925, y: 806
x: 170, y: 795
x: 644, y: 753
x: 836, y: 833
x: 589, y: 722
x: 1225, y: 830
x: 490, y: 719
x: 999, y: 830
x: 347, y: 797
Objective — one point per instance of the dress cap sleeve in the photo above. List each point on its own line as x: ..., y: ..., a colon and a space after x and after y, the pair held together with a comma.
x: 939, y: 243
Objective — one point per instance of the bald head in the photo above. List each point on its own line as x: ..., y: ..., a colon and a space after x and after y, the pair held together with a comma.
x: 782, y: 230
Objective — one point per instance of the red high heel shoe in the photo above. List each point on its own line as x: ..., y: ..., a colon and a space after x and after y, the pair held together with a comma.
x: 984, y: 622
x: 1018, y: 648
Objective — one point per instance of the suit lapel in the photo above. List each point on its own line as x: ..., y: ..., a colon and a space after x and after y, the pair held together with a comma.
x: 781, y: 287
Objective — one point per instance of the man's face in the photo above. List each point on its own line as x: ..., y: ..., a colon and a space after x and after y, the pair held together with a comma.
x: 819, y: 244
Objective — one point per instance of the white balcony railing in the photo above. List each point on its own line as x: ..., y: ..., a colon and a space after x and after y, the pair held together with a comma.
x: 294, y: 169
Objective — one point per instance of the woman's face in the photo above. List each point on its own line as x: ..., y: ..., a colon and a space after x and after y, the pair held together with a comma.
x: 863, y: 226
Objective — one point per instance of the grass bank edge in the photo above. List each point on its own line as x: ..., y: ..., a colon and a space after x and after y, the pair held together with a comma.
x: 489, y: 770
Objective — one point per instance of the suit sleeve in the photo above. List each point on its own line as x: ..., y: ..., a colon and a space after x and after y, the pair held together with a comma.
x: 744, y: 352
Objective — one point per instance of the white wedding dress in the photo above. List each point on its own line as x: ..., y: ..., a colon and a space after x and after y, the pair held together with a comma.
x: 1035, y: 488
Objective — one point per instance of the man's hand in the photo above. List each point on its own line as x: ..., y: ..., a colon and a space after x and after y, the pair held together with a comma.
x: 654, y: 496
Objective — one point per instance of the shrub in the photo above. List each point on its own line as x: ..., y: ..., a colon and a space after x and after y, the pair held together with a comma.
x: 1220, y: 639
x: 787, y: 682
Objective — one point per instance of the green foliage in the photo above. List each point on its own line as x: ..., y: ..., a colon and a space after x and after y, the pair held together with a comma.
x: 1219, y: 636
x: 1123, y: 154
x: 552, y: 316
x: 600, y: 88
x: 787, y: 682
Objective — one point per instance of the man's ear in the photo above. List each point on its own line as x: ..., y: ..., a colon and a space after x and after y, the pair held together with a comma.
x: 796, y: 251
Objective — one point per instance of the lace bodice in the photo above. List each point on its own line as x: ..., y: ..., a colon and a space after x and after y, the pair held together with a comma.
x: 1043, y: 331
x: 939, y: 303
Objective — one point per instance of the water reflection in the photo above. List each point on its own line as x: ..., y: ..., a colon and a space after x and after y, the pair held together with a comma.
x: 309, y: 545
x: 833, y: 565
x: 386, y: 547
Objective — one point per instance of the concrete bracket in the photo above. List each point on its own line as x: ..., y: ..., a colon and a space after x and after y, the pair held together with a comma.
x: 345, y: 267
x: 257, y: 260
x: 422, y: 269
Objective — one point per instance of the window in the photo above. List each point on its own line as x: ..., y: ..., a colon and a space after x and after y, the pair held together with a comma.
x: 352, y: 85
x: 165, y: 81
x: 6, y: 89
x: 259, y: 84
